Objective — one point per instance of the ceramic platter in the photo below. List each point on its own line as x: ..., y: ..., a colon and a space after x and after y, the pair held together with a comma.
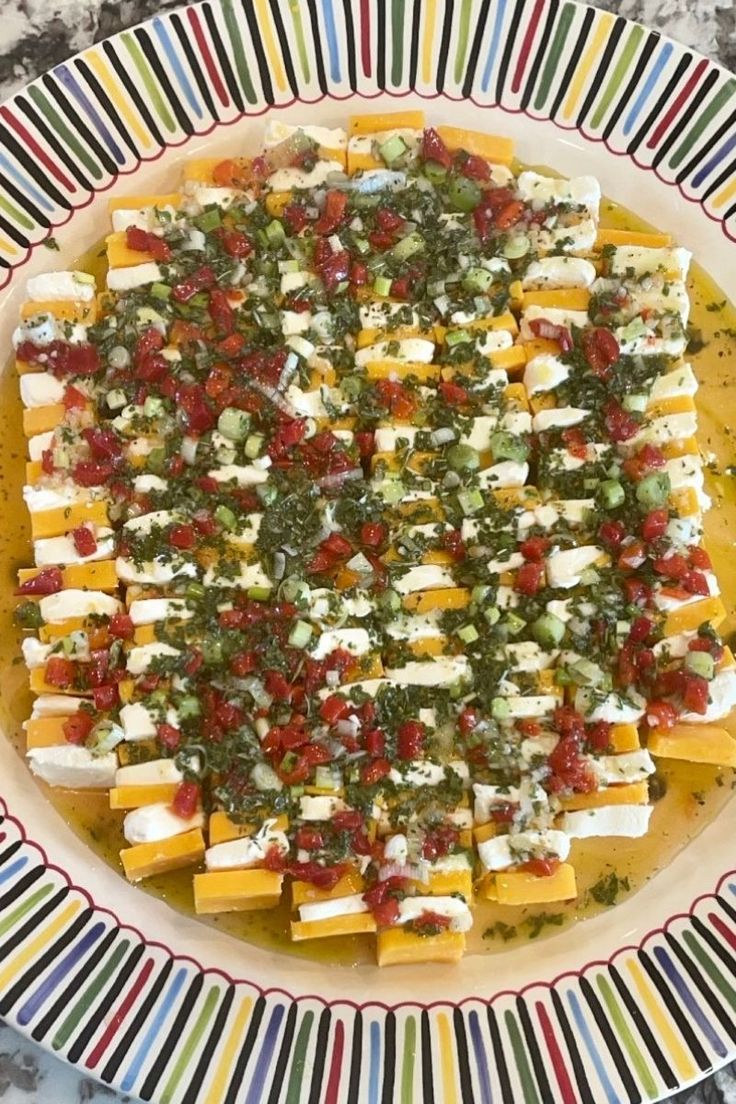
x: 626, y: 1007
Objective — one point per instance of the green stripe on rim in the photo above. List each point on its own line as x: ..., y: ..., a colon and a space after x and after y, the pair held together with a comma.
x: 296, y: 1074
x: 462, y: 40
x: 64, y: 132
x: 15, y: 212
x: 614, y: 85
x: 558, y: 44
x: 296, y: 18
x: 152, y: 86
x: 526, y: 1077
x: 639, y: 1061
x: 190, y: 1045
x: 236, y: 40
x: 18, y: 913
x: 407, y: 1061
x: 397, y: 40
x: 711, y: 968
x: 695, y: 131
x: 89, y: 995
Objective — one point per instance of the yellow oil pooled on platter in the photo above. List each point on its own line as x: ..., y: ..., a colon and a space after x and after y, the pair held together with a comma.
x: 692, y: 795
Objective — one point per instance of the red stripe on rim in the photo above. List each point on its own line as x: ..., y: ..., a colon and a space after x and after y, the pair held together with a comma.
x: 332, y: 1088
x: 36, y: 149
x: 526, y: 45
x: 678, y: 102
x: 722, y: 929
x: 112, y: 1028
x: 209, y: 62
x: 558, y: 1062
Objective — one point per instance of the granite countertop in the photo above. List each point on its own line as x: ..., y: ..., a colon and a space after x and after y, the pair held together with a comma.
x: 35, y: 35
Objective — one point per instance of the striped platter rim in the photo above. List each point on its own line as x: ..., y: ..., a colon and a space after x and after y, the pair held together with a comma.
x: 148, y: 1019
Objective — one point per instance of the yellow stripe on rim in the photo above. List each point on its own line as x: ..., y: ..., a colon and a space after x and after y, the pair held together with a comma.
x: 685, y: 1066
x: 274, y: 57
x: 581, y: 74
x: 112, y: 88
x: 447, y: 1060
x: 430, y: 16
x: 224, y: 1067
x: 31, y: 949
x: 8, y: 247
x: 725, y: 194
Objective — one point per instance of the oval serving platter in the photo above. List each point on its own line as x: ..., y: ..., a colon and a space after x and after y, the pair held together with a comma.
x: 627, y: 1007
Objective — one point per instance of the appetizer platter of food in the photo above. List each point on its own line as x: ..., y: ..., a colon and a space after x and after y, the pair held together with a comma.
x: 375, y: 604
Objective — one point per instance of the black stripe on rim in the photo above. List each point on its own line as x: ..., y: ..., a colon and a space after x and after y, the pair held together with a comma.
x: 416, y: 17
x: 233, y: 1089
x: 463, y: 1065
x: 72, y: 990
x: 110, y: 994
x: 577, y: 49
x: 279, y: 1070
x: 20, y: 988
x: 676, y: 132
x: 508, y: 49
x: 427, y: 1063
x: 262, y: 64
x: 172, y: 1040
x: 209, y: 1048
x: 644, y: 1030
x: 726, y: 906
x: 224, y: 60
x: 725, y: 128
x: 154, y: 60
x: 20, y: 886
x: 112, y: 112
x: 717, y: 183
x: 716, y: 945
x: 24, y: 203
x: 675, y: 1011
x: 478, y: 38
x: 53, y: 142
x: 194, y: 64
x: 278, y: 23
x: 609, y: 1038
x: 125, y: 79
x: 7, y: 854
x: 444, y: 50
x: 603, y: 66
x: 701, y: 983
x: 641, y: 63
x: 660, y: 104
x: 356, y: 1059
x: 6, y: 264
x: 42, y: 180
x: 539, y: 55
x: 143, y: 1011
x: 74, y: 121
x: 320, y: 1056
x: 32, y: 923
x: 380, y: 10
x: 499, y: 1058
x: 350, y: 44
x: 581, y: 1077
x: 389, y: 1058
x: 533, y: 1048
x: 317, y: 43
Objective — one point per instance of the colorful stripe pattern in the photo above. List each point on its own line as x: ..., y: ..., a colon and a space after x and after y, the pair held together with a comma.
x: 162, y: 1028
x: 73, y: 131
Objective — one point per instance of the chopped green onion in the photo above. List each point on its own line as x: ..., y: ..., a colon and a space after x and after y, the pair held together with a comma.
x: 505, y: 446
x: 153, y: 406
x: 259, y: 593
x: 470, y: 502
x: 548, y: 630
x: 478, y: 279
x: 160, y: 291
x: 275, y: 232
x: 701, y: 664
x: 194, y: 592
x: 464, y: 193
x: 226, y: 518
x: 500, y: 709
x: 267, y: 493
x: 468, y: 634
x: 390, y: 600
x: 212, y: 650
x: 155, y: 460
x: 253, y: 445
x: 514, y: 624
x: 362, y: 245
x: 233, y: 423
x: 393, y: 149
x: 434, y: 172
x: 209, y: 220
x: 382, y: 285
x: 516, y: 247
x: 586, y: 673
x: 654, y: 490
x: 479, y: 593
x: 457, y: 337
x: 407, y: 247
x: 492, y: 615
x: 611, y: 494
x: 116, y: 399
x: 463, y: 458
x: 300, y: 634
x: 189, y: 706
x: 636, y: 403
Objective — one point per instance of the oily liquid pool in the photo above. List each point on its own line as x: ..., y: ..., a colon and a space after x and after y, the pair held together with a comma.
x: 692, y: 794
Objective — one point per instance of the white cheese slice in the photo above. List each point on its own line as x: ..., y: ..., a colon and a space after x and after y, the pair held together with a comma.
x: 352, y: 905
x: 440, y: 671
x: 578, y: 238
x: 565, y: 568
x: 488, y: 798
x: 411, y: 909
x: 415, y: 349
x: 151, y: 823
x: 612, y: 708
x: 507, y: 473
x: 142, y: 218
x: 140, y: 658
x: 77, y: 603
x: 206, y: 195
x: 137, y: 722
x: 527, y: 655
x: 499, y: 852
x: 630, y: 766
x: 240, y: 854
x: 320, y: 807
x: 681, y: 381
x: 35, y: 653
x: 133, y: 276
x: 639, y: 260
x: 41, y: 389
x: 422, y: 772
x: 355, y: 641
x: 379, y: 314
x: 423, y: 577
x: 286, y: 180
x: 721, y: 699
x: 251, y: 575
x: 38, y: 499
x: 66, y: 286
x: 559, y: 417
x: 55, y: 705
x: 39, y: 443
x: 332, y: 138
x: 414, y: 627
x: 391, y: 438
x: 245, y: 475
x: 146, y: 611
x: 559, y: 272
x: 62, y: 550
x: 524, y: 707
x: 656, y: 302
x: 153, y: 773
x: 153, y: 572
x: 666, y: 602
x: 540, y: 191
x: 607, y: 820
x: 73, y: 767
x: 43, y: 328
x: 555, y: 315
x: 544, y: 372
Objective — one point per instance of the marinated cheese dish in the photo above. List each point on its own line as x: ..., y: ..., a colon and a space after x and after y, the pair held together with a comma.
x: 367, y: 507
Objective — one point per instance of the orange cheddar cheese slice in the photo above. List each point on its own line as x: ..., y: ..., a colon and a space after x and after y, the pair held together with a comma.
x: 397, y: 947
x: 236, y: 890
x: 143, y: 860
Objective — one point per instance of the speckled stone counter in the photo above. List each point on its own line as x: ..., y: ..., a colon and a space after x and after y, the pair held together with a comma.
x: 35, y: 35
